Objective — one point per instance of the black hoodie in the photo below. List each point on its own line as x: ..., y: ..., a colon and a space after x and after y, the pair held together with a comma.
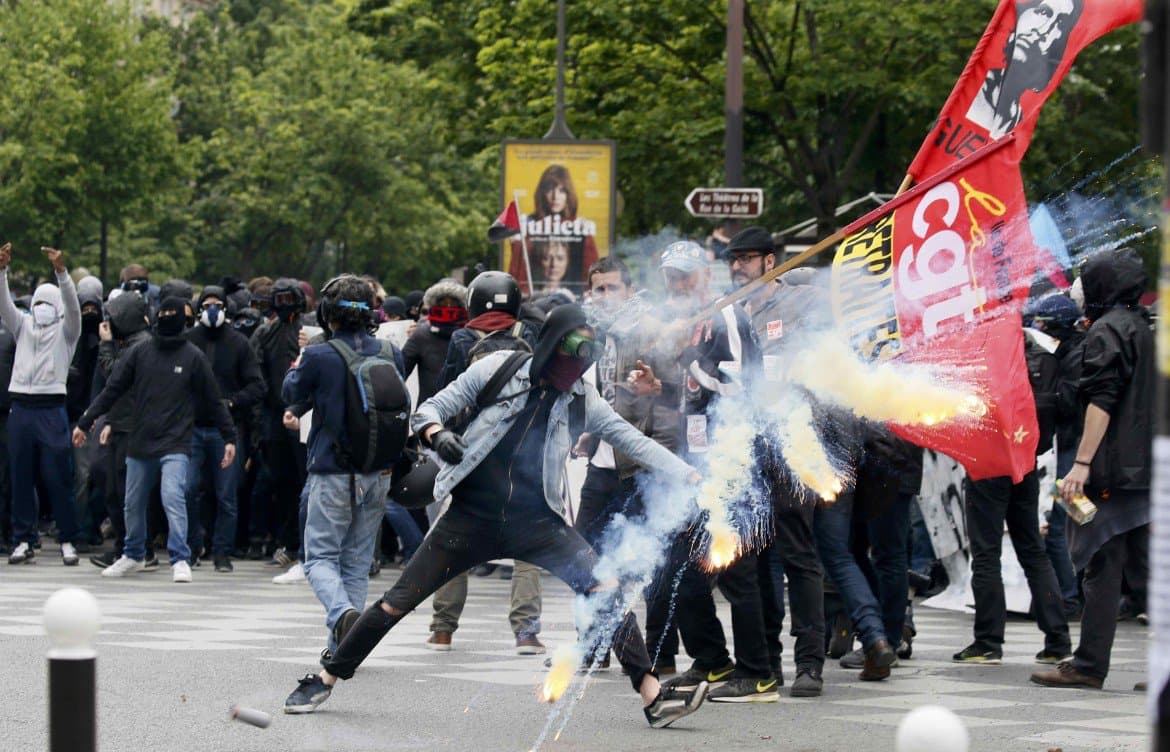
x: 79, y: 388
x: 1118, y: 370
x: 237, y: 372
x: 127, y: 317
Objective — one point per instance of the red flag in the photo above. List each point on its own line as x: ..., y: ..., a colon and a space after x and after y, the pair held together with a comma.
x: 1021, y: 59
x: 506, y: 225
x: 939, y: 276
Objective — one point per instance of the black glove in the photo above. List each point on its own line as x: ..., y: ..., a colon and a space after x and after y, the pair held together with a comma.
x: 449, y: 446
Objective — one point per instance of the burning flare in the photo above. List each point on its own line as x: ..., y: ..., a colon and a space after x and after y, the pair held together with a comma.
x: 564, y: 665
x: 724, y: 548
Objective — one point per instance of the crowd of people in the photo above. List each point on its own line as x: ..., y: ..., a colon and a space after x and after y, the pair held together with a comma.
x: 220, y: 424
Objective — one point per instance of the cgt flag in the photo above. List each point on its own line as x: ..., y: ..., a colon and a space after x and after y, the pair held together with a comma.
x: 939, y: 276
x: 506, y: 225
x: 1021, y: 59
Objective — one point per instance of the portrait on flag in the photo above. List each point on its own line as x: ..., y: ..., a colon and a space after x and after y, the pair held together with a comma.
x: 566, y: 198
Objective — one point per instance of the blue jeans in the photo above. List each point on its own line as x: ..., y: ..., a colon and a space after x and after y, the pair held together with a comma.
x: 1056, y: 542
x: 141, y: 475
x: 889, y: 535
x: 206, y: 454
x: 832, y: 530
x: 340, y: 531
x: 405, y: 526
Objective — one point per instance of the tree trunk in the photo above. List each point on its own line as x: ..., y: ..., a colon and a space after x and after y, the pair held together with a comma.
x: 105, y: 250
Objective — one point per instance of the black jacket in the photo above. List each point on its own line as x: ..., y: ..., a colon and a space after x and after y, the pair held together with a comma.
x: 236, y: 369
x: 275, y: 345
x: 168, y: 383
x: 1070, y: 416
x: 426, y: 350
x: 127, y: 317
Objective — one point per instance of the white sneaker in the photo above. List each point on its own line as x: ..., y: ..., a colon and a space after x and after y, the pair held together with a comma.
x: 23, y: 553
x: 294, y: 575
x: 180, y: 571
x: 69, y: 555
x: 122, y: 567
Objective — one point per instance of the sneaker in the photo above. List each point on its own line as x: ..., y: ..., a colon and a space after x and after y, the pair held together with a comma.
x: 22, y: 554
x: 375, y: 567
x: 344, y: 624
x: 281, y: 558
x: 122, y: 567
x: 808, y: 683
x: 223, y: 563
x: 294, y: 576
x: 1142, y: 686
x: 1065, y: 675
x: 483, y: 570
x: 672, y: 704
x: 693, y: 677
x: 854, y: 659
x: 69, y: 555
x: 310, y: 692
x: 1053, y: 657
x: 842, y: 640
x: 439, y: 641
x: 528, y: 644
x: 255, y: 552
x: 103, y: 560
x: 151, y: 561
x: 180, y: 571
x: 977, y: 655
x: 745, y: 689
x: 906, y: 645
x: 778, y: 675
x: 879, y: 658
x: 1144, y: 619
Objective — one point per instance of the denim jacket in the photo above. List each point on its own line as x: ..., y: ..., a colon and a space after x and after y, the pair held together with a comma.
x: 493, y: 422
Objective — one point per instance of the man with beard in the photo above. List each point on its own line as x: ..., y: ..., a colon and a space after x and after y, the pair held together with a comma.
x: 1033, y: 53
x: 170, y: 381
x: 505, y: 474
x: 1114, y: 460
x: 708, y: 359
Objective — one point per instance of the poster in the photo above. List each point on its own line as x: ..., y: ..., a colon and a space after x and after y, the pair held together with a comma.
x: 566, y: 196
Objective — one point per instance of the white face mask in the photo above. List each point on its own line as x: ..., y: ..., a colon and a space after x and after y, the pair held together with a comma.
x: 44, y: 314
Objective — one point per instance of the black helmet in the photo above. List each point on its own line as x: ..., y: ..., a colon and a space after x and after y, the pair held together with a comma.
x: 413, y: 482
x: 493, y: 291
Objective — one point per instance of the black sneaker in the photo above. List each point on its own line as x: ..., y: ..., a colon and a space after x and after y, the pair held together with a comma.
x: 853, y: 659
x: 375, y: 567
x: 746, y: 689
x: 255, y: 552
x: 808, y: 683
x: 976, y: 655
x: 344, y: 624
x: 842, y: 640
x: 672, y: 704
x: 310, y: 692
x: 1053, y: 657
x: 693, y: 677
x: 223, y: 563
x: 906, y: 646
x: 103, y: 560
x: 151, y: 561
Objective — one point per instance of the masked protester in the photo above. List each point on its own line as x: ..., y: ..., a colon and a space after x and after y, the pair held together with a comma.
x: 276, y: 345
x: 509, y: 465
x: 246, y: 321
x: 80, y: 390
x: 38, y: 423
x: 171, y: 382
x: 1113, y: 462
x: 414, y: 304
x: 426, y: 349
x: 238, y: 376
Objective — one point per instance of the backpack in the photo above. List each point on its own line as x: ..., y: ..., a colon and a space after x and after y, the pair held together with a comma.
x: 504, y: 339
x: 377, y: 410
x: 1044, y: 376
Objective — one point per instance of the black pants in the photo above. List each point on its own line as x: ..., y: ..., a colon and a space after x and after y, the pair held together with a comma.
x: 698, y: 622
x: 285, y: 459
x: 1103, y: 595
x: 5, y: 482
x: 661, y: 629
x: 602, y: 496
x: 458, y: 542
x: 792, y: 555
x: 989, y: 504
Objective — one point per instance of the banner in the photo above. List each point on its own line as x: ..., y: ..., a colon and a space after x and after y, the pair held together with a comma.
x: 1021, y: 59
x: 939, y: 276
x: 566, y: 193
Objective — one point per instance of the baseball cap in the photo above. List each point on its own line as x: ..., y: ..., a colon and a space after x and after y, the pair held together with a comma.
x: 685, y: 255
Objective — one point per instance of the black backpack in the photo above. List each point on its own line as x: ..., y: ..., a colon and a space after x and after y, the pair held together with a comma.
x: 1044, y: 375
x: 377, y: 410
x: 504, y: 339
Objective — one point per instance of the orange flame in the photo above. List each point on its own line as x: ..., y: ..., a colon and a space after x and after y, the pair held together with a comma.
x: 557, y: 681
x: 723, y: 551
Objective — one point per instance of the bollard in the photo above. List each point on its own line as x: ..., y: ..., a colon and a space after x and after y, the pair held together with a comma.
x: 72, y: 619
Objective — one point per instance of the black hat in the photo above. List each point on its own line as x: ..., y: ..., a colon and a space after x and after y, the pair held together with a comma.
x: 394, y: 306
x: 561, y: 320
x: 751, y: 239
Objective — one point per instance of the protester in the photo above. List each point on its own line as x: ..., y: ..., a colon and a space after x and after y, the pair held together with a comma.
x: 1114, y: 459
x: 39, y: 455
x: 171, y: 381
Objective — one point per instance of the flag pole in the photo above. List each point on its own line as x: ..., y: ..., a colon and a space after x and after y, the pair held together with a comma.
x: 905, y: 186
x: 523, y: 242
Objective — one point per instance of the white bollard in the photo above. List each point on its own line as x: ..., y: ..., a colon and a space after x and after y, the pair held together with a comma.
x: 932, y: 728
x: 72, y: 619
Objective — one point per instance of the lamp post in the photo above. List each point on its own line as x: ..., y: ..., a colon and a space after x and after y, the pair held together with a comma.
x: 72, y: 619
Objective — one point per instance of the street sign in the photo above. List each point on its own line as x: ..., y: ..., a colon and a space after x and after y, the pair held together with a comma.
x: 718, y: 203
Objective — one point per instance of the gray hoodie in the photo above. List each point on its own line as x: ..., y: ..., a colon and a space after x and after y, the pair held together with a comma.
x: 43, y: 353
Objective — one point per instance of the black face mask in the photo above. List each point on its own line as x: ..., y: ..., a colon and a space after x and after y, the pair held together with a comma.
x: 90, y: 322
x: 171, y: 326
